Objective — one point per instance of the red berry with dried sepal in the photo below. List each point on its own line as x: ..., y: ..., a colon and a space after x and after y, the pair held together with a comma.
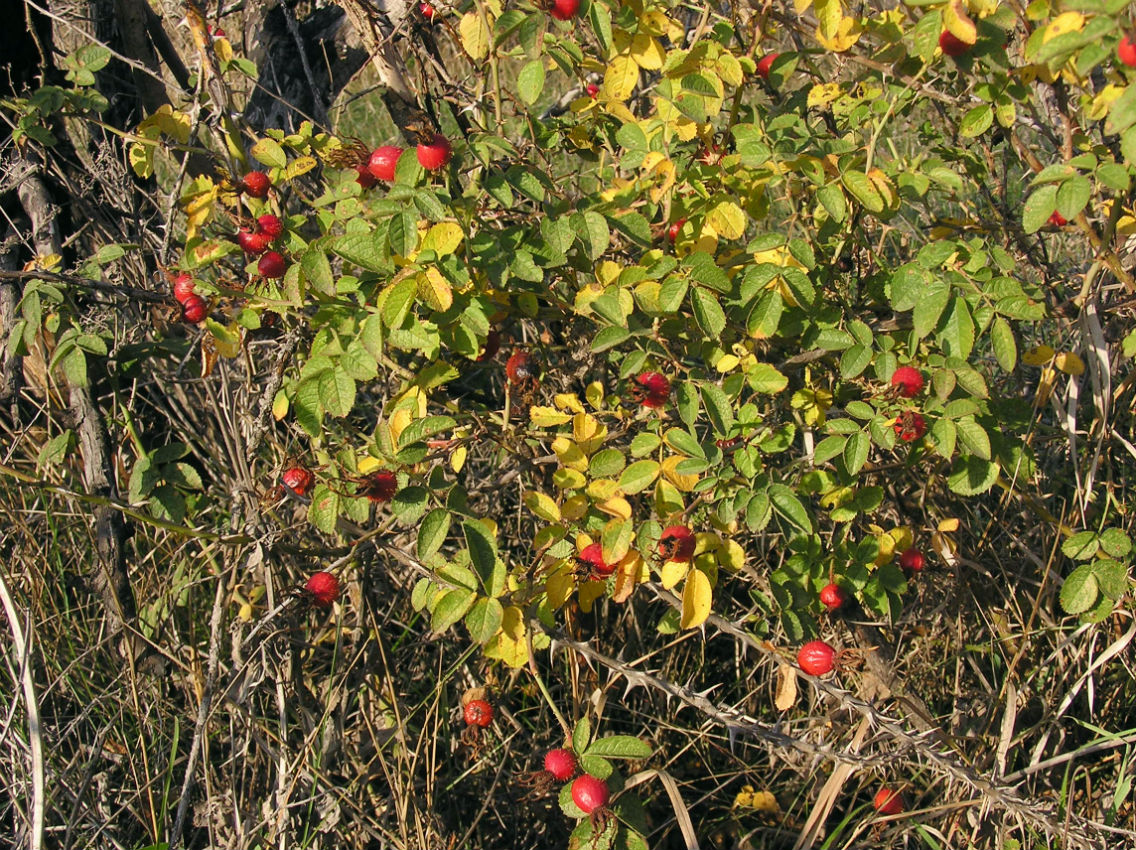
x: 593, y: 90
x: 364, y: 177
x: 435, y: 153
x: 561, y: 763
x: 816, y: 658
x: 270, y: 225
x: 674, y: 230
x: 383, y: 161
x: 183, y: 287
x: 1126, y: 51
x: 255, y: 184
x: 651, y: 389
x: 253, y: 242
x: 888, y: 802
x: 194, y: 308
x: 477, y: 712
x: 427, y: 11
x: 271, y: 265
x: 298, y: 479
x: 322, y: 589
x: 910, y: 426
x: 521, y: 367
x: 379, y: 487
x: 590, y: 793
x: 591, y: 556
x: 677, y: 543
x: 1057, y: 220
x: 908, y: 380
x: 833, y: 597
x: 564, y: 10
x: 912, y: 560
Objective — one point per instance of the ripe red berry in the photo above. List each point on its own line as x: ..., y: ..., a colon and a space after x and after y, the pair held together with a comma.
x: 677, y: 543
x: 912, y: 560
x: 477, y: 712
x: 765, y: 64
x: 270, y: 225
x: 379, y: 486
x: 216, y: 32
x: 908, y: 380
x: 561, y: 763
x: 816, y: 658
x: 434, y: 154
x: 651, y: 389
x: 364, y: 177
x: 194, y: 308
x: 323, y: 587
x: 833, y: 597
x: 298, y: 479
x: 253, y: 243
x: 255, y: 184
x: 592, y: 90
x: 589, y: 793
x: 910, y: 426
x: 888, y: 802
x: 674, y: 229
x: 1126, y: 51
x: 951, y: 44
x: 591, y: 556
x: 428, y: 12
x: 271, y: 265
x: 520, y: 368
x: 383, y: 160
x: 183, y: 287
x: 564, y: 10
x: 1058, y: 220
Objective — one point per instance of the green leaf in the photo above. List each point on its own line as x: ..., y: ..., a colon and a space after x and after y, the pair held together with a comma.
x: 421, y: 429
x: 828, y: 448
x: 1115, y: 542
x: 620, y: 747
x: 1081, y: 546
x: 581, y: 735
x: 398, y: 301
x: 323, y: 512
x: 863, y: 190
x: 482, y: 549
x: 606, y: 463
x: 638, y: 476
x: 403, y: 233
x: 972, y: 475
x: 1112, y: 577
x: 973, y: 437
x: 976, y: 121
x: 933, y: 297
x: 1079, y: 592
x: 956, y: 332
x: 270, y: 153
x: 764, y: 378
x: 684, y: 442
x: 1005, y: 346
x: 1039, y: 206
x: 484, y: 619
x: 432, y: 533
x: 1073, y: 196
x: 856, y: 452
x: 451, y: 607
x: 317, y: 271
x: 854, y: 361
x: 530, y: 81
x: 787, y: 504
x: 707, y: 311
x: 718, y: 407
x: 336, y: 392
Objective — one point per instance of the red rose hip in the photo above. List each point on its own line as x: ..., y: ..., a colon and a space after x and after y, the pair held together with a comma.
x: 912, y: 560
x: 888, y: 802
x: 677, y: 543
x: 183, y: 287
x: 434, y: 154
x: 194, y: 308
x: 765, y: 64
x: 589, y: 793
x: 298, y: 479
x: 477, y: 712
x: 561, y: 763
x: 564, y: 10
x: 674, y: 230
x: 1126, y: 51
x: 255, y: 184
x: 833, y: 597
x: 379, y: 486
x: 816, y: 658
x: 253, y: 243
x: 270, y: 225
x: 322, y: 588
x: 651, y: 389
x: 520, y: 368
x: 271, y: 265
x: 908, y: 380
x: 951, y: 44
x: 383, y: 161
x: 910, y: 426
x: 1058, y: 220
x: 591, y: 556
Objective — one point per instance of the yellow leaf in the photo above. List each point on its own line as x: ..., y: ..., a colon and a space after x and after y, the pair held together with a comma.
x: 1103, y: 100
x: 1038, y: 355
x: 848, y: 32
x: 786, y: 694
x: 569, y: 454
x: 588, y: 432
x: 569, y: 479
x: 1045, y: 385
x: 594, y: 393
x: 398, y: 422
x: 280, y: 406
x: 543, y: 506
x: 546, y: 417
x: 801, y: 6
x: 672, y: 572
x: 696, y: 598
x: 949, y: 525
x: 683, y: 482
x: 366, y: 464
x: 958, y: 22
x: 457, y: 459
x: 509, y: 644
x: 568, y: 401
x: 727, y: 363
x: 435, y: 290
x: 298, y: 166
x: 559, y: 586
x: 616, y: 506
x: 589, y: 592
x: 899, y: 539
x: 1064, y: 23
x: 575, y: 507
x: 731, y: 555
x: 1069, y: 363
x: 443, y: 238
x: 730, y: 69
x: 667, y: 498
x: 629, y: 572
x: 728, y: 220
x: 823, y: 94
x: 620, y: 79
x: 654, y: 22
x: 226, y: 339
x: 602, y: 489
x: 474, y: 36
x: 828, y: 13
x: 647, y: 52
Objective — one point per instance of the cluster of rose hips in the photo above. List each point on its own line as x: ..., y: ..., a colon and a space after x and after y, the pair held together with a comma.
x: 433, y: 152
x: 193, y: 306
x: 256, y: 241
x: 910, y: 424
